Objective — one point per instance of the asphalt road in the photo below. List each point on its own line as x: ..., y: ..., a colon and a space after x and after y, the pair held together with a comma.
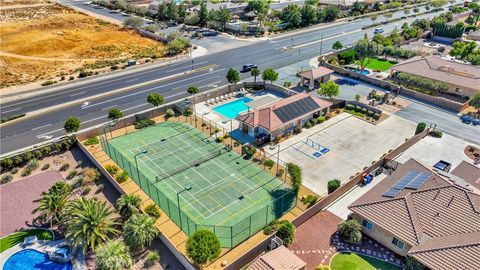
x: 211, y: 72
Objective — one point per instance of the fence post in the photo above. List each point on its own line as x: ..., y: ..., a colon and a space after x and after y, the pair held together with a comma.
x: 231, y: 237
x: 250, y: 227
x: 266, y: 216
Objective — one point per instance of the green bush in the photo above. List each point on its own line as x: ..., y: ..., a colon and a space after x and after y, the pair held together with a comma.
x: 86, y: 190
x: 112, y: 169
x: 320, y: 119
x: 370, y: 113
x: 72, y: 174
x: 6, y: 178
x: 49, y: 82
x: 32, y: 164
x: 350, y: 231
x: 153, y: 211
x: 358, y: 108
x: 169, y: 113
x: 151, y: 258
x: 310, y: 200
x: 376, y: 116
x: 364, y: 110
x: 250, y: 151
x: 295, y: 173
x: 286, y: 232
x: 100, y: 188
x: 79, y: 181
x: 92, y: 140
x: 333, y: 185
x: 14, y: 170
x: 143, y: 123
x: 347, y: 57
x: 350, y: 107
x: 435, y: 133
x: 121, y: 177
x: 64, y: 167
x: 269, y: 163
x: 420, y: 128
x: 26, y: 172
x: 308, y: 125
x: 219, y: 139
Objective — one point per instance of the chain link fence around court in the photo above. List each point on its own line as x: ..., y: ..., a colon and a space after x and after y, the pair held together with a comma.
x: 283, y: 200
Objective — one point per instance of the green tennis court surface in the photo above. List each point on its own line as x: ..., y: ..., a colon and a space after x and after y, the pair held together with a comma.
x: 217, y: 189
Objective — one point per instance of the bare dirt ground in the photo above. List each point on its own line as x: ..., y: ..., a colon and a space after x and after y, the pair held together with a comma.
x: 46, y: 42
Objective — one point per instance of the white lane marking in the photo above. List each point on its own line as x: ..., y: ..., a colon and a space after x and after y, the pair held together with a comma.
x: 324, y: 39
x: 41, y: 126
x: 44, y: 137
x: 12, y: 110
x: 187, y: 85
x: 77, y: 94
x: 109, y: 107
x: 188, y: 66
x: 150, y: 89
x: 132, y: 80
x: 134, y: 107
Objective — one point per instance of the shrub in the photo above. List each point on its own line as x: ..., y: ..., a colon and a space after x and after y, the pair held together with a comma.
x: 91, y: 174
x: 64, y: 167
x: 204, y: 124
x: 420, y: 128
x: 27, y: 171
x: 219, y: 139
x: 49, y: 82
x: 322, y: 267
x: 333, y: 185
x: 310, y: 200
x: 112, y: 169
x: 203, y: 247
x: 71, y: 78
x: 412, y: 264
x: 376, y: 116
x: 269, y: 163
x: 153, y: 211
x: 151, y: 258
x: 72, y: 174
x: 358, y: 108
x: 86, y: 190
x: 169, y: 113
x: 121, y: 177
x: 143, y: 123
x: 15, y: 170
x: 308, y: 125
x: 320, y: 119
x: 435, y: 133
x: 250, y: 151
x: 100, y: 188
x: 92, y: 140
x: 6, y: 178
x: 295, y: 173
x: 370, y: 113
x: 32, y: 164
x: 347, y: 57
x: 350, y: 231
x: 286, y: 232
x: 364, y: 110
x: 78, y: 182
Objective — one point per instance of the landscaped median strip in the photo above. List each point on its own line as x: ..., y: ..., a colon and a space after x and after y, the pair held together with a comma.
x: 125, y: 89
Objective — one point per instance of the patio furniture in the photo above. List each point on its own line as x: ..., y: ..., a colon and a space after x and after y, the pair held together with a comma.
x: 29, y: 240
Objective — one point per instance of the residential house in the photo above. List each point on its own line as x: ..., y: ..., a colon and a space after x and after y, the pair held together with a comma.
x: 283, y: 116
x: 314, y: 77
x: 463, y: 79
x: 426, y: 213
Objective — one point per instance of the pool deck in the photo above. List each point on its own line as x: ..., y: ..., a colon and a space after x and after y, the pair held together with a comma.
x: 78, y: 263
x: 209, y: 114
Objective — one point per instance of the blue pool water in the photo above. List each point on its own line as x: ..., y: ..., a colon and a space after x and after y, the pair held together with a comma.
x: 29, y: 259
x: 357, y: 70
x: 234, y: 108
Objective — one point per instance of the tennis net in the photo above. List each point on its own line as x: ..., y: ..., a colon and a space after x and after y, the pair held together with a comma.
x: 182, y: 168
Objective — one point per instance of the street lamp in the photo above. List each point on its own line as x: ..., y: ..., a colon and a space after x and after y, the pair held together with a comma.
x: 136, y: 165
x: 185, y: 188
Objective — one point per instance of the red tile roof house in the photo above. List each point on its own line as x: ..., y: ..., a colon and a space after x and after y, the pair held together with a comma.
x: 428, y: 214
x: 283, y: 116
x: 462, y: 79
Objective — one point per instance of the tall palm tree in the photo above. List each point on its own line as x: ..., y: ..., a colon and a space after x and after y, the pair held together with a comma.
x: 113, y: 255
x: 139, y: 231
x: 255, y: 72
x: 89, y: 222
x: 52, y: 203
x: 128, y: 204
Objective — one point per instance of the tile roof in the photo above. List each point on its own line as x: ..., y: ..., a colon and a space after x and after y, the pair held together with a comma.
x: 316, y: 73
x: 469, y: 172
x: 266, y: 117
x: 442, y: 70
x: 280, y: 258
x: 441, y: 220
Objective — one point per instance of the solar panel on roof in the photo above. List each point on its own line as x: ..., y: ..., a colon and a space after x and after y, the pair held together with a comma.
x: 419, y: 180
x: 405, y: 180
x: 391, y: 192
x: 296, y: 109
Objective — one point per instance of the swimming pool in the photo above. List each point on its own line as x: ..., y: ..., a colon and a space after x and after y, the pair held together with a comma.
x: 359, y: 71
x: 29, y: 259
x: 234, y: 108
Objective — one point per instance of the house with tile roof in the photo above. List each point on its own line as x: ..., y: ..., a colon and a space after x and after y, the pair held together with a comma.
x: 280, y: 258
x: 425, y: 213
x: 283, y: 116
x: 463, y: 79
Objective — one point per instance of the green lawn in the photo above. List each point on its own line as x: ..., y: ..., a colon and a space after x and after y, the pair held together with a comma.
x: 15, y: 238
x: 378, y: 64
x: 353, y: 261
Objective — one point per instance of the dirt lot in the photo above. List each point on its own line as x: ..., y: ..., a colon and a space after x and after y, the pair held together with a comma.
x: 44, y: 42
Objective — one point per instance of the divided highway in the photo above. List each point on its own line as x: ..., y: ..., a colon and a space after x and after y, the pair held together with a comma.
x: 127, y: 90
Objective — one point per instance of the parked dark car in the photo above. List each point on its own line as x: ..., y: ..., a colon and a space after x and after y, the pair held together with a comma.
x: 469, y: 120
x: 248, y: 67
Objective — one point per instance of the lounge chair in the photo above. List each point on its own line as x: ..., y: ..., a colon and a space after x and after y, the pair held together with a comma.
x: 29, y: 240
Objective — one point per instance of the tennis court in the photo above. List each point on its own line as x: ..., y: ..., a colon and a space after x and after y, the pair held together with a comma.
x: 216, y: 188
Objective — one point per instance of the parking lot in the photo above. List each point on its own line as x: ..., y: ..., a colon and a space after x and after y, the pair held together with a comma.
x: 351, y: 144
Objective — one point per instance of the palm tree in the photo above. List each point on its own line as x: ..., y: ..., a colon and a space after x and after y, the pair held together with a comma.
x: 113, y: 255
x: 155, y: 99
x: 128, y: 204
x: 139, y: 231
x: 89, y: 222
x: 255, y: 73
x: 52, y: 203
x: 374, y: 18
x: 114, y: 114
x: 192, y: 90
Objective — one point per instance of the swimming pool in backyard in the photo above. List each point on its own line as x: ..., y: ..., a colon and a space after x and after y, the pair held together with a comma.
x: 29, y: 259
x: 233, y: 109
